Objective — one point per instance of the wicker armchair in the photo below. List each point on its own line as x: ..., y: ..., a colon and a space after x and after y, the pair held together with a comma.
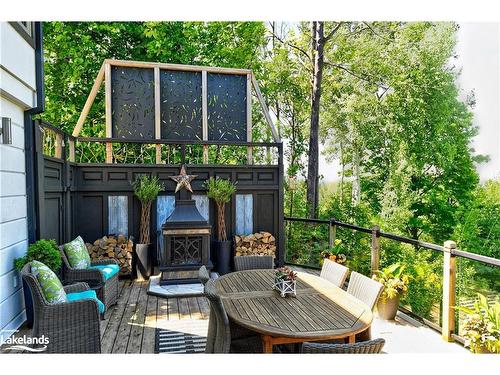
x: 107, y: 289
x: 334, y: 272
x: 71, y: 327
x: 366, y: 347
x: 225, y: 340
x: 253, y: 262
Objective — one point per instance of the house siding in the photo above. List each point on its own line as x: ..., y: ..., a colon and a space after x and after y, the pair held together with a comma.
x: 17, y: 94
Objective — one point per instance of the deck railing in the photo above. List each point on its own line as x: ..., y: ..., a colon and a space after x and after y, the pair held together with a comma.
x: 61, y: 145
x: 448, y: 327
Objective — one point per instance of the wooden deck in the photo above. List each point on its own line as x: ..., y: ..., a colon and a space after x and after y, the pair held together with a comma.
x: 129, y: 326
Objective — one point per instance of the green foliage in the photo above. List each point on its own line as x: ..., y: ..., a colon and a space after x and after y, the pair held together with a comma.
x: 481, y: 328
x: 394, y: 281
x: 220, y: 189
x: 147, y: 188
x: 44, y: 251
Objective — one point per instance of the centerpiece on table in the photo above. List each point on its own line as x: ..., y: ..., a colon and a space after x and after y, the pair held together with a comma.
x: 285, y: 281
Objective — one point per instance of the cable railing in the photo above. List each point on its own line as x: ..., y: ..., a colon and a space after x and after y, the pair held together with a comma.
x: 447, y: 318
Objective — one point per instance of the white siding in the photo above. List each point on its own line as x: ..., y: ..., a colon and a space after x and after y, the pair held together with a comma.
x: 17, y: 93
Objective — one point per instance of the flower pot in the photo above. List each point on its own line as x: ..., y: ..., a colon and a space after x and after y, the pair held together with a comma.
x: 142, y: 261
x: 388, y: 307
x: 223, y: 250
x: 285, y: 287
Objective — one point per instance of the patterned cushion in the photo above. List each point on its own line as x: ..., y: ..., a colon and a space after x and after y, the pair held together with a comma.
x: 77, y: 254
x: 109, y: 270
x: 52, y: 288
x: 87, y: 294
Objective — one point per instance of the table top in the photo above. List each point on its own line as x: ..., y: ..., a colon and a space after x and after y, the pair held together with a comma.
x: 319, y: 310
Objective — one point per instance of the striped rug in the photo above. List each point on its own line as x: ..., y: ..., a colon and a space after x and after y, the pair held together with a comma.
x: 185, y: 336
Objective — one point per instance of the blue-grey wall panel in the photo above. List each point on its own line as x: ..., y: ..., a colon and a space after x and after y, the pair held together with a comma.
x: 118, y: 214
x: 244, y: 214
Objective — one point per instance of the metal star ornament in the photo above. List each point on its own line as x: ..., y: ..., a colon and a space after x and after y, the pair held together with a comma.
x: 183, y: 180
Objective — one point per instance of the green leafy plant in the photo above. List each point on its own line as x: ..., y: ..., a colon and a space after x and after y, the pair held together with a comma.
x: 146, y: 189
x: 221, y: 191
x: 481, y: 326
x: 44, y: 251
x: 394, y: 281
x: 336, y: 253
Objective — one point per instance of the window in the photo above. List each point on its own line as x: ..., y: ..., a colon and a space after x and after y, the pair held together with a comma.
x: 26, y: 30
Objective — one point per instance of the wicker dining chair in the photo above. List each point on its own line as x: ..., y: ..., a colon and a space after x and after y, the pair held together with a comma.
x: 225, y: 340
x: 107, y: 289
x: 368, y: 291
x: 366, y: 347
x: 253, y: 262
x: 71, y: 327
x: 365, y: 289
x: 334, y: 272
x: 204, y: 276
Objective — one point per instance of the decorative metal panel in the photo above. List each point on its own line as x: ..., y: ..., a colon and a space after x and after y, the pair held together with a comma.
x: 186, y: 249
x: 132, y: 104
x: 244, y: 214
x: 118, y: 214
x: 202, y: 205
x: 181, y: 112
x: 165, y: 205
x: 227, y: 107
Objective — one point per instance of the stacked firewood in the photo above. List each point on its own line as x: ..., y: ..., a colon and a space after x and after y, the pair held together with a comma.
x: 113, y: 247
x: 261, y: 243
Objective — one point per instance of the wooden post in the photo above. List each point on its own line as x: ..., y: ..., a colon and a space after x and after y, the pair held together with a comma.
x: 375, y: 259
x: 204, y: 114
x: 332, y: 233
x: 157, y: 114
x: 249, y: 119
x: 109, y: 120
x: 449, y: 280
x: 71, y: 150
x: 59, y: 146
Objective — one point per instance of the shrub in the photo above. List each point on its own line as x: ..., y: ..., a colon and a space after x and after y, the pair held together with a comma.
x: 44, y: 251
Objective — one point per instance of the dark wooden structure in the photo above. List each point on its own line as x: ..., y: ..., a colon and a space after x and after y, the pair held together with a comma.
x: 84, y: 183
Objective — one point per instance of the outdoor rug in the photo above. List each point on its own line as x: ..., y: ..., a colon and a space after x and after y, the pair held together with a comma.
x: 182, y: 336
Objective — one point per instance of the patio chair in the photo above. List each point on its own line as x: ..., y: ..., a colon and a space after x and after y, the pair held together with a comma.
x: 225, y: 340
x: 253, y: 262
x: 107, y: 289
x: 366, y: 290
x: 334, y: 272
x: 366, y: 347
x: 71, y: 327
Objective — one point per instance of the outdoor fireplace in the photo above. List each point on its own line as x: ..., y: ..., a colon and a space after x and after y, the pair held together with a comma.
x: 186, y: 244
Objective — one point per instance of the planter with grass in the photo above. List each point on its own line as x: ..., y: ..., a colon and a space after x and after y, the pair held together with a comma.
x: 146, y: 189
x: 221, y: 191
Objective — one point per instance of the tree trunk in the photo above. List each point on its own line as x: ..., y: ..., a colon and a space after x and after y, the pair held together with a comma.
x: 145, y: 220
x: 356, y: 183
x: 313, y: 163
x: 221, y: 224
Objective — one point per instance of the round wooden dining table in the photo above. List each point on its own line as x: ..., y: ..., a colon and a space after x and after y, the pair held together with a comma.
x: 320, y: 310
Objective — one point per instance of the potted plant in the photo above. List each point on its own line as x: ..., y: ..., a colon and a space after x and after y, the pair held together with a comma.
x: 336, y: 254
x: 47, y: 252
x: 395, y: 285
x: 146, y: 189
x: 221, y: 191
x: 481, y: 327
x: 285, y: 281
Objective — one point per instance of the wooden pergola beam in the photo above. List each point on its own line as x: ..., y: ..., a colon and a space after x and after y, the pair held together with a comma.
x: 89, y: 102
x: 265, y: 110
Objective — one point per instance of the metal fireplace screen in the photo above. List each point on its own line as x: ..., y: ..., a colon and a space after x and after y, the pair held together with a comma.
x: 186, y: 249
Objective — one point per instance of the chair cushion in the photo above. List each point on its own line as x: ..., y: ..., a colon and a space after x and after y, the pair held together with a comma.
x: 77, y: 254
x: 87, y: 294
x: 50, y: 284
x: 109, y: 270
